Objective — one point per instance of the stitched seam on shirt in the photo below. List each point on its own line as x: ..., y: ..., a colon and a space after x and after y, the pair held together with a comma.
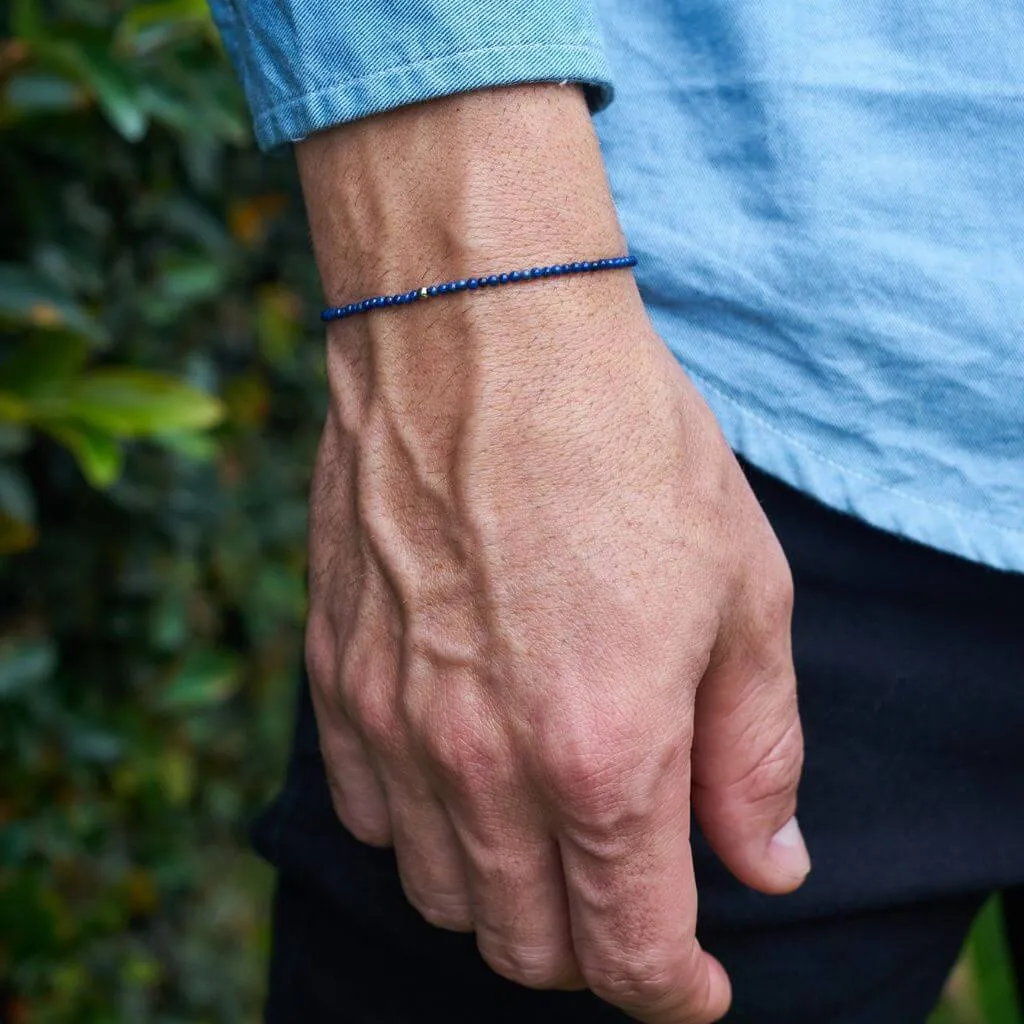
x: 953, y: 513
x: 363, y: 79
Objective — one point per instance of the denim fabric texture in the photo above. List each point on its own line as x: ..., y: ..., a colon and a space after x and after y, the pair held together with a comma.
x: 827, y: 201
x: 309, y: 64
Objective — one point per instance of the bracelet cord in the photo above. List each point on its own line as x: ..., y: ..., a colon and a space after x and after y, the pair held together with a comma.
x: 473, y: 284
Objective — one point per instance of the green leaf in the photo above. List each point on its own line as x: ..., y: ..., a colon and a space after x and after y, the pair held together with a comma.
x: 43, y: 365
x: 140, y: 403
x: 193, y: 280
x: 189, y: 444
x: 993, y: 970
x: 204, y: 679
x: 28, y: 298
x: 117, y: 93
x: 14, y: 411
x: 25, y: 663
x: 99, y: 456
x: 110, y: 80
x: 148, y: 26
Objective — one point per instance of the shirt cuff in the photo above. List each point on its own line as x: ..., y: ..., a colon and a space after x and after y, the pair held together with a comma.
x: 296, y: 88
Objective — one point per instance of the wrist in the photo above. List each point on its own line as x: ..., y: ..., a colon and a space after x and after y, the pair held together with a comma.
x: 477, y: 183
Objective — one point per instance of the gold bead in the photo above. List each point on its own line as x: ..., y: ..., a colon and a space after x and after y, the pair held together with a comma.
x: 423, y: 293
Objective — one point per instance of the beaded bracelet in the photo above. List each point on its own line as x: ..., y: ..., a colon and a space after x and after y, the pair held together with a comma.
x: 473, y: 284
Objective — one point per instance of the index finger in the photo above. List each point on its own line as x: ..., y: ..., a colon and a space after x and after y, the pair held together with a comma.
x: 633, y: 900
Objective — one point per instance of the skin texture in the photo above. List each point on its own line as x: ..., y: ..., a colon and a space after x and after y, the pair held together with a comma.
x: 547, y: 615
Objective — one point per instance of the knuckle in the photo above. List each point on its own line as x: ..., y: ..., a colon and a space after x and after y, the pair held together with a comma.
x: 575, y: 759
x: 464, y: 752
x: 631, y: 983
x: 654, y: 985
x: 453, y: 733
x: 369, y: 703
x: 774, y: 600
x: 448, y: 913
x: 368, y: 824
x: 775, y: 776
x: 532, y: 967
x: 369, y: 831
x: 448, y: 919
x: 588, y: 793
x: 779, y: 602
x: 599, y: 777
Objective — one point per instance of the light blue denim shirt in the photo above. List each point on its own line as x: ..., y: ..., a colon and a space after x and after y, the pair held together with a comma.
x: 826, y: 198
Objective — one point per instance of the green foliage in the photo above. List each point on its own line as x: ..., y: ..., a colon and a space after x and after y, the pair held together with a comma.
x: 160, y: 396
x: 982, y: 989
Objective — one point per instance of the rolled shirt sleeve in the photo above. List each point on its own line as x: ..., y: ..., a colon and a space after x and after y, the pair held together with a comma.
x: 306, y: 65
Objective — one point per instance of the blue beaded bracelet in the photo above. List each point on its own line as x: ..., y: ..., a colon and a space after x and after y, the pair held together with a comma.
x: 473, y: 284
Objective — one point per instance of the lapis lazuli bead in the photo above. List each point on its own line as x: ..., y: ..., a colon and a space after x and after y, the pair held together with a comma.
x: 474, y: 283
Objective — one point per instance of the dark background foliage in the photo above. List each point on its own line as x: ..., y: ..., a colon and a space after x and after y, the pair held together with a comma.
x: 151, y: 574
x: 161, y: 389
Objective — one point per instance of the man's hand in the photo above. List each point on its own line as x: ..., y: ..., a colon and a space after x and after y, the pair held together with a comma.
x: 547, y: 614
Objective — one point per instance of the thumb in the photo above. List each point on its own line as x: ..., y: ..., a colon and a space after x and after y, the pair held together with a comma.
x: 747, y: 758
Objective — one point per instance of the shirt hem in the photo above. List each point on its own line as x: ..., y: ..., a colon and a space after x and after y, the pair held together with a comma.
x: 853, y: 492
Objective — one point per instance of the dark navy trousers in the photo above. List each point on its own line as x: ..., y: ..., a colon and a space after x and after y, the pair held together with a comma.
x: 911, y: 671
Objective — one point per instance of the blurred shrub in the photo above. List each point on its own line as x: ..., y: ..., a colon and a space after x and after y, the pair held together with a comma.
x: 160, y: 395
